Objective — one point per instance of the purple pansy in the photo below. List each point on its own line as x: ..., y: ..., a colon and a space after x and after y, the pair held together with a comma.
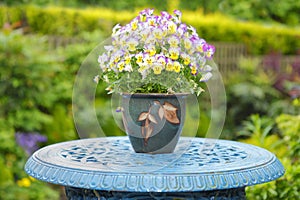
x: 166, y: 15
x: 147, y: 12
x: 177, y: 12
x: 182, y: 29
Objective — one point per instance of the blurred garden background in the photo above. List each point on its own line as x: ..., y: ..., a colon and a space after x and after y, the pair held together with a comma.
x: 44, y: 42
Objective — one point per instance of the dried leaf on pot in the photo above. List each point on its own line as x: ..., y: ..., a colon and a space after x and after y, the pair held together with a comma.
x: 143, y: 131
x: 152, y: 118
x: 169, y: 107
x: 171, y: 117
x: 143, y: 116
x: 161, y: 113
x: 170, y: 113
x: 149, y: 131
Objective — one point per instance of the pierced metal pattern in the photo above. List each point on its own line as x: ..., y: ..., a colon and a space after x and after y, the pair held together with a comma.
x: 197, y: 164
x: 85, y: 194
x: 114, y: 153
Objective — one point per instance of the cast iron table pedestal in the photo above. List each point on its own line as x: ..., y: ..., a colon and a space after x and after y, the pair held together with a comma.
x: 108, y: 168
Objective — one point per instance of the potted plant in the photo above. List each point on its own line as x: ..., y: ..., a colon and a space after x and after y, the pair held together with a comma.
x: 154, y: 62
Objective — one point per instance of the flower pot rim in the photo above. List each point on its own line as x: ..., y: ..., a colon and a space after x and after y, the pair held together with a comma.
x: 127, y: 94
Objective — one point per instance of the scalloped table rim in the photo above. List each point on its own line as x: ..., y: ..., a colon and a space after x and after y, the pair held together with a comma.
x: 90, y: 177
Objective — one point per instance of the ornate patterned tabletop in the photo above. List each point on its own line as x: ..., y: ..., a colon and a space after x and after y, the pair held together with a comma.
x: 197, y: 164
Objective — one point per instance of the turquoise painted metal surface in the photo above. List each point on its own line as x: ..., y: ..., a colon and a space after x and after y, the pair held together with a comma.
x: 197, y: 164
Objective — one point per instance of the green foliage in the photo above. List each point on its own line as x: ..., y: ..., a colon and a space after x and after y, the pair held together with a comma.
x: 286, y: 147
x: 36, y: 190
x: 260, y: 129
x: 208, y: 6
x: 23, y: 79
x: 14, y: 183
x: 112, y: 4
x: 290, y: 126
x: 216, y: 27
x: 36, y: 82
x: 220, y: 28
x: 283, y: 11
x: 249, y: 91
x: 32, y: 79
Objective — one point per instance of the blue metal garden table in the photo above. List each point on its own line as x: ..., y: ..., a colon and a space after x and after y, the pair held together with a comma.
x: 199, y: 168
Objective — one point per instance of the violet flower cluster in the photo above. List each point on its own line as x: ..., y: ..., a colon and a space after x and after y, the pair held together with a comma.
x: 30, y: 141
x: 151, y: 46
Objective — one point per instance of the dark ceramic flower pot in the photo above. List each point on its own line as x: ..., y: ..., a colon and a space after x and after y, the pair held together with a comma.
x: 153, y: 121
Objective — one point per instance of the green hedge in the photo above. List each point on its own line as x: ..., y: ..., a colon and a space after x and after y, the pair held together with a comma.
x: 258, y: 38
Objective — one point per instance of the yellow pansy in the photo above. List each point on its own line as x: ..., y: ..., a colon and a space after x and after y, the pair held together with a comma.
x: 158, y: 34
x: 134, y: 25
x: 157, y: 69
x: 151, y: 22
x: 174, y: 53
x: 177, y: 66
x: 127, y: 59
x: 199, y: 47
x: 117, y: 59
x: 149, y: 60
x: 143, y: 18
x: 173, y: 41
x: 170, y: 66
x: 121, y: 66
x: 172, y: 27
x: 161, y: 60
x: 132, y: 44
x: 151, y: 50
x: 139, y: 58
x: 186, y: 60
x: 194, y: 70
x: 187, y: 44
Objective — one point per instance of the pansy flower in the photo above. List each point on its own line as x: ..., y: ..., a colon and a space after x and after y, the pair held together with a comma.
x: 139, y: 57
x: 174, y: 53
x: 174, y: 41
x: 131, y: 44
x: 177, y: 66
x: 172, y: 27
x: 153, y: 45
x: 157, y: 68
x: 169, y: 65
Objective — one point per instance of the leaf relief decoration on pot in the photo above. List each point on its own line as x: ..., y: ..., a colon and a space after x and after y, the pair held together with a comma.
x: 167, y: 111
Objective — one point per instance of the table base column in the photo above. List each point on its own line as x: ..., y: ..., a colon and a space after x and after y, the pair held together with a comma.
x: 86, y: 194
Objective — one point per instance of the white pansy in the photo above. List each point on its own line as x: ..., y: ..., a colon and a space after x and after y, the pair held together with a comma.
x: 115, y: 29
x: 174, y: 41
x: 131, y: 44
x: 128, y: 68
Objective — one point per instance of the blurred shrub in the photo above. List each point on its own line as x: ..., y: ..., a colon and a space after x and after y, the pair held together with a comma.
x: 111, y: 4
x: 14, y: 183
x: 251, y: 90
x: 215, y: 27
x: 36, y: 80
x: 283, y: 11
x: 286, y: 145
